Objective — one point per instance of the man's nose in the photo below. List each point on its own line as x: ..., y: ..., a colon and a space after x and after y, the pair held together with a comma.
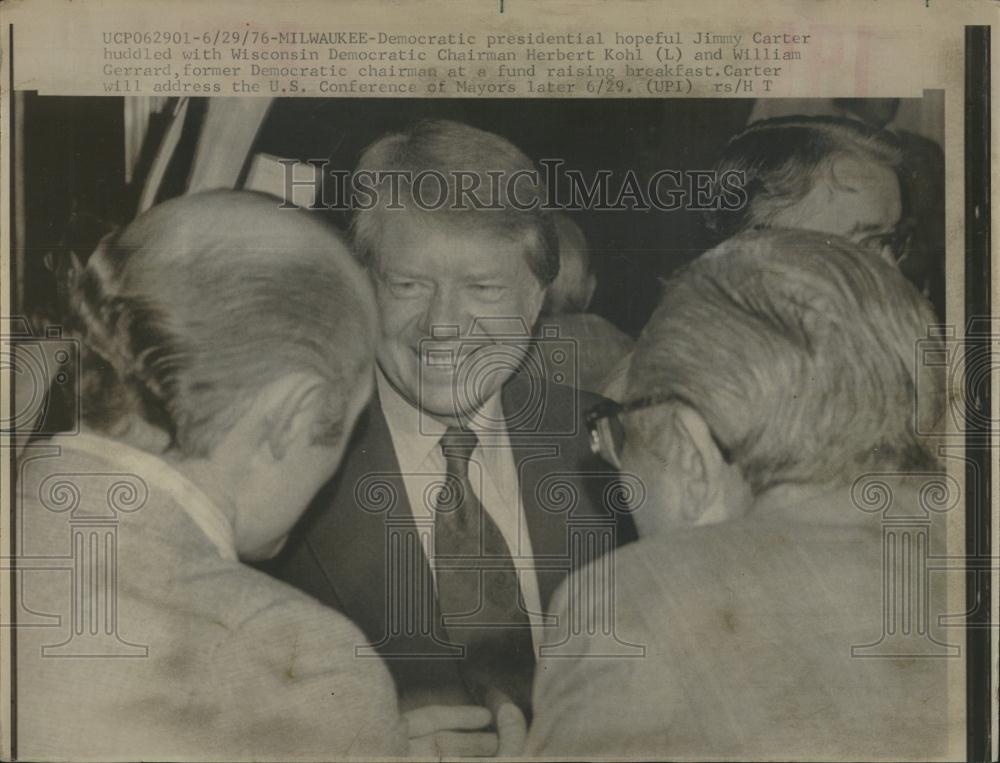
x: 443, y: 312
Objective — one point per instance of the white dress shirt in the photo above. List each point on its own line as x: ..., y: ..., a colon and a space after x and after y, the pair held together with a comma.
x: 416, y: 438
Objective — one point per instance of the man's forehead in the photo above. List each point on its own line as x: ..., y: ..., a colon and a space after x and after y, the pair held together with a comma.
x: 852, y: 169
x: 461, y: 238
x: 870, y: 186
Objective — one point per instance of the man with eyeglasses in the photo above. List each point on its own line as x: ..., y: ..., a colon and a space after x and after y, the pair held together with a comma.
x: 819, y: 173
x: 777, y: 374
x: 826, y: 174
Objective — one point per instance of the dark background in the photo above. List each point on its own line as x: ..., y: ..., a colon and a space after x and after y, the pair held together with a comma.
x: 631, y: 249
x: 75, y: 188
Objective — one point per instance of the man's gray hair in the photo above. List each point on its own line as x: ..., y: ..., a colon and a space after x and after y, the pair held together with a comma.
x: 800, y: 351
x: 194, y: 307
x: 508, y: 199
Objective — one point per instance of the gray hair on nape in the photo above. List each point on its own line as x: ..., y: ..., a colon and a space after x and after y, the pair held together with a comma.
x: 800, y: 351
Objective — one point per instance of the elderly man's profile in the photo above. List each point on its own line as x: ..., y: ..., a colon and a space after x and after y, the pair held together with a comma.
x: 755, y: 555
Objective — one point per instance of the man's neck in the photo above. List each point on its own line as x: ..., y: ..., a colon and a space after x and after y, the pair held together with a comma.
x: 809, y: 504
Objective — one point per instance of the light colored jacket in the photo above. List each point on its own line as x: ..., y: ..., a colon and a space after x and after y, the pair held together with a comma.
x: 759, y: 639
x: 142, y: 637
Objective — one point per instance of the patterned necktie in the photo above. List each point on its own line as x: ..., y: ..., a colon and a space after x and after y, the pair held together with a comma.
x: 477, y: 585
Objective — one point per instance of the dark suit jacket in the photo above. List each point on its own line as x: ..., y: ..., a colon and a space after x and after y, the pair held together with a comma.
x: 339, y: 552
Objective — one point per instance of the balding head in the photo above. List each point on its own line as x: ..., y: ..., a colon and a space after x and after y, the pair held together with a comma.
x: 206, y: 299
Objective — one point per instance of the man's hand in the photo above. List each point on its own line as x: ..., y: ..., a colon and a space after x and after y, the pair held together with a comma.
x: 512, y: 730
x: 438, y: 731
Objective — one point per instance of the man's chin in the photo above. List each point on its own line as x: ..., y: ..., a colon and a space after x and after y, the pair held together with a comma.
x: 440, y: 401
x: 437, y: 392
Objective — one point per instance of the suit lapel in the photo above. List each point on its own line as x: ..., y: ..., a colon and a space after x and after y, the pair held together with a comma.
x: 529, y: 411
x: 350, y: 541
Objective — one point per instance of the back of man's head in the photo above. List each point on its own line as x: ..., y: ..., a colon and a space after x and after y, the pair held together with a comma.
x: 193, y: 308
x: 800, y: 352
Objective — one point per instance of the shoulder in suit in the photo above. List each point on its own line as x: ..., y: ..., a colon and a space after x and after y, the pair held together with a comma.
x: 744, y: 634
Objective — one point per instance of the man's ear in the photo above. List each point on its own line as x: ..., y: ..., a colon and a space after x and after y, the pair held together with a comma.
x: 694, y: 460
x: 713, y: 489
x: 291, y: 408
x: 535, y: 303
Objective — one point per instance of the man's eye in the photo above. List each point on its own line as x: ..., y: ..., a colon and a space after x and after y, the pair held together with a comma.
x: 487, y: 291
x: 401, y: 287
x: 877, y: 242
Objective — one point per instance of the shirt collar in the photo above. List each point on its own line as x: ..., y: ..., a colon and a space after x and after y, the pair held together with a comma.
x: 158, y: 472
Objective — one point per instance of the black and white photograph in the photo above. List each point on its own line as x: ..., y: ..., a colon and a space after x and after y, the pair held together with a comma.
x: 564, y: 428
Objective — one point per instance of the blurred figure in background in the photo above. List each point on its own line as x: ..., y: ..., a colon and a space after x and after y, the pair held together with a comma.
x: 819, y: 173
x: 832, y: 174
x: 777, y: 371
x: 226, y: 351
x: 816, y: 173
x: 921, y: 176
x: 600, y: 344
x: 573, y: 289
x: 917, y: 126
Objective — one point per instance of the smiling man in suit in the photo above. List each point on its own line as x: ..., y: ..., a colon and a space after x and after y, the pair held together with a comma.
x: 453, y: 519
